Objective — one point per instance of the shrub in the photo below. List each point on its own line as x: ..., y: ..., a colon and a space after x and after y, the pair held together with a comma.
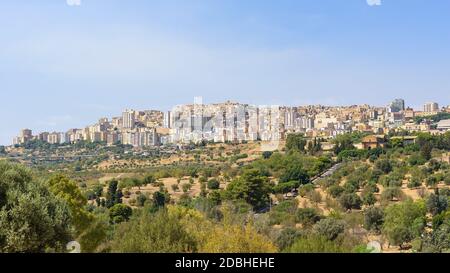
x: 335, y: 191
x: 307, y: 216
x: 373, y: 218
x: 329, y: 228
x: 213, y: 184
x: 350, y: 201
x: 120, y: 213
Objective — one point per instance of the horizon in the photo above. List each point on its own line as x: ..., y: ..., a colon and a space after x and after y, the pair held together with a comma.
x: 210, y: 103
x: 64, y: 64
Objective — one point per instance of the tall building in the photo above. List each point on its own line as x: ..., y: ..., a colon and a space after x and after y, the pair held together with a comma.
x: 397, y: 105
x: 430, y: 107
x: 129, y: 119
x: 167, y: 119
x: 24, y: 136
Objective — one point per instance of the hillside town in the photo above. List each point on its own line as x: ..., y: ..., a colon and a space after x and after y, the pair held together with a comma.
x: 237, y: 123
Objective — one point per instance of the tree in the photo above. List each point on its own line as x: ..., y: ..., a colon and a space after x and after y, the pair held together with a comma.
x: 175, y: 187
x: 368, y: 198
x: 113, y: 196
x: 307, y: 216
x: 32, y: 218
x: 373, y: 218
x: 120, y: 213
x: 404, y: 221
x: 251, y: 187
x: 230, y: 238
x: 159, y: 199
x: 384, y: 165
x: 141, y: 199
x: 186, y: 187
x: 329, y: 228
x: 336, y: 190
x: 425, y: 150
x: 67, y: 190
x: 439, y: 239
x: 287, y: 237
x: 295, y: 142
x: 295, y: 172
x: 158, y: 232
x: 267, y: 154
x: 149, y: 179
x: 213, y: 184
x: 437, y: 203
x: 350, y: 201
x: 343, y: 143
x: 391, y: 194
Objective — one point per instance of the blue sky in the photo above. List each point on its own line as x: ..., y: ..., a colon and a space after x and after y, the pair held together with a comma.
x: 64, y: 66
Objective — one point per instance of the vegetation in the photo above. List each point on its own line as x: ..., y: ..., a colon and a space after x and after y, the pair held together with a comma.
x: 227, y: 198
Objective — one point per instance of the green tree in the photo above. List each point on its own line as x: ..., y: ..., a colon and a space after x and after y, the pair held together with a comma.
x: 68, y: 190
x: 373, y: 218
x: 267, y: 154
x: 251, y: 187
x: 350, y: 201
x: 307, y: 216
x: 287, y: 237
x: 32, y: 218
x: 149, y: 179
x: 186, y: 187
x: 213, y: 184
x: 160, y: 232
x: 404, y: 221
x: 329, y: 228
x: 113, y: 196
x: 295, y: 142
x: 437, y: 203
x: 384, y: 165
x: 120, y: 213
x: 295, y: 173
x: 159, y: 199
x: 343, y: 143
x: 141, y: 199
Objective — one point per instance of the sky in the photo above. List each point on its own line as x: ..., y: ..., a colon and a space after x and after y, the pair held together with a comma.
x: 66, y: 63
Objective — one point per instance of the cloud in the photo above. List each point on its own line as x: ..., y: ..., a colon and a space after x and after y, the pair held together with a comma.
x: 374, y: 2
x: 73, y: 2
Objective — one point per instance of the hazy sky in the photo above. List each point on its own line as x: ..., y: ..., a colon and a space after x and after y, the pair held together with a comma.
x: 64, y: 64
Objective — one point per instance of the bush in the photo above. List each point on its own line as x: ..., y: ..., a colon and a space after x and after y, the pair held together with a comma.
x: 373, y: 218
x: 414, y: 183
x: 447, y: 179
x: 390, y: 194
x: 307, y: 216
x: 287, y: 237
x: 315, y: 244
x: 335, y: 191
x: 329, y: 228
x: 431, y: 181
x: 404, y: 222
x: 120, y: 213
x: 437, y: 203
x: 384, y: 165
x: 213, y: 184
x: 368, y: 198
x: 186, y: 187
x: 350, y: 201
x: 153, y: 233
x: 141, y: 199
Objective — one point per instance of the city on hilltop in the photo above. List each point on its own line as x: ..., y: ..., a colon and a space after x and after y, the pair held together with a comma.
x: 236, y: 122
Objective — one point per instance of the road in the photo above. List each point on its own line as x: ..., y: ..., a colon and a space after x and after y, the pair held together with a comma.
x: 328, y: 173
